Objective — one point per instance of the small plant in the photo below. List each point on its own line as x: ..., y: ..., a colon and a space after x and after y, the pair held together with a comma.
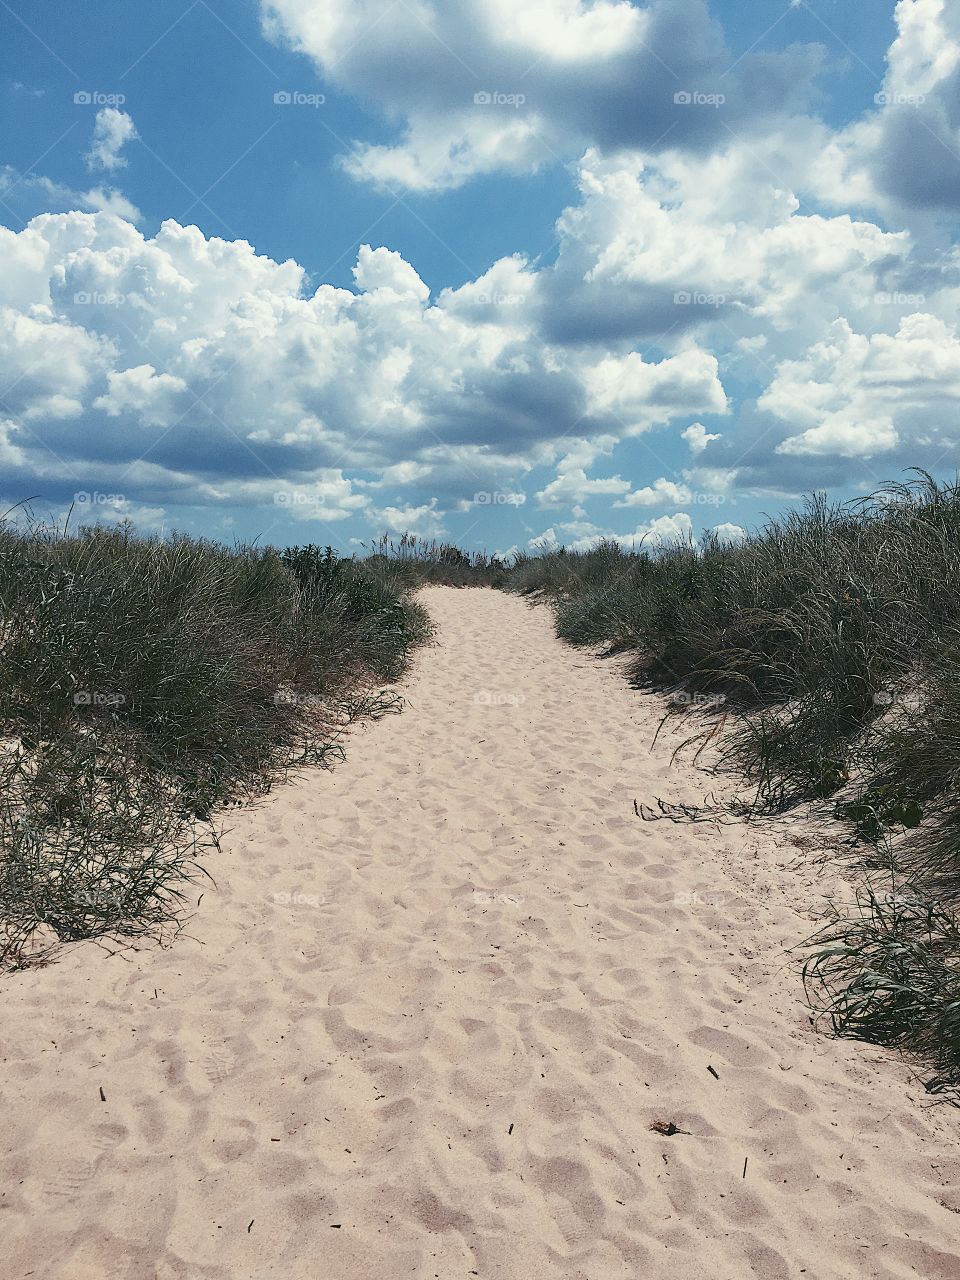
x: 90, y: 845
x: 876, y: 811
x: 889, y: 973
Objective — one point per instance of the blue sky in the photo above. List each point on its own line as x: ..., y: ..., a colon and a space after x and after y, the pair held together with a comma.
x: 688, y: 263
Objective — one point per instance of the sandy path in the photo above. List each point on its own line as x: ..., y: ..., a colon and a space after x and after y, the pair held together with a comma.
x: 427, y: 1019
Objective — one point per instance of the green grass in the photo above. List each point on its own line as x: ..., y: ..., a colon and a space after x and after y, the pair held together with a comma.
x: 889, y: 972
x: 408, y: 561
x: 144, y: 683
x: 827, y: 645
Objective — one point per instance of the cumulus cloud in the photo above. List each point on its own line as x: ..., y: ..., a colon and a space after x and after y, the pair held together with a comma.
x: 484, y: 85
x: 699, y: 273
x: 855, y: 395
x: 424, y: 520
x: 153, y: 397
x: 913, y: 146
x: 697, y: 437
x: 661, y: 493
x: 201, y: 371
x: 660, y: 531
x: 572, y: 486
x: 661, y: 248
x: 112, y: 130
x: 727, y: 532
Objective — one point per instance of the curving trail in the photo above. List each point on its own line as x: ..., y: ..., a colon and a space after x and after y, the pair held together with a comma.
x: 424, y: 1024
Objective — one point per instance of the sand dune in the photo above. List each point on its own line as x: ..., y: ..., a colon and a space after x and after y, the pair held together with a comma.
x: 423, y: 1026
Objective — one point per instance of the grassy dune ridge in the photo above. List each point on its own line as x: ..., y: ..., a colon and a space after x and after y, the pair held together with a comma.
x: 145, y: 684
x: 822, y: 656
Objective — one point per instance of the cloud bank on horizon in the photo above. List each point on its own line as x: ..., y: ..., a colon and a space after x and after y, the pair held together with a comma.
x: 745, y: 301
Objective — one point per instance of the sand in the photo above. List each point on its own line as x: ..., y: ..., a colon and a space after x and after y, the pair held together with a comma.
x: 424, y: 1023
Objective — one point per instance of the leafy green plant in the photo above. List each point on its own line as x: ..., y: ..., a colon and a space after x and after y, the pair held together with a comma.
x: 873, y: 813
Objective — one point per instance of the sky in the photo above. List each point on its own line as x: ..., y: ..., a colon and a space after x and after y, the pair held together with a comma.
x: 507, y: 275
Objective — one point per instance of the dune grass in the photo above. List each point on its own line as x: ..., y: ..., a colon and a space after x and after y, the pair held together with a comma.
x: 408, y: 561
x: 826, y: 646
x: 145, y: 683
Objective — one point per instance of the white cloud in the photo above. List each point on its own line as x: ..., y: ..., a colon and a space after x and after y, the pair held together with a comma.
x: 33, y: 193
x: 573, y: 486
x: 153, y: 397
x: 662, y: 492
x: 660, y: 531
x: 106, y: 200
x: 546, y: 541
x: 901, y: 156
x: 381, y: 272
x: 204, y: 371
x: 639, y: 394
x: 727, y: 532
x: 697, y: 437
x: 674, y: 245
x: 112, y: 131
x: 118, y: 337
x: 718, y: 481
x: 484, y: 85
x: 856, y: 395
x: 425, y: 520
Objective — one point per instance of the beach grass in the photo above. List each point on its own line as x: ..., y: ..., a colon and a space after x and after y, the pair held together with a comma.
x: 148, y: 683
x: 821, y: 658
x: 145, y: 683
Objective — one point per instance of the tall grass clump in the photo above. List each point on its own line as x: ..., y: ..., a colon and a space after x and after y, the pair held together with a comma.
x: 146, y: 681
x: 409, y: 561
x: 830, y: 642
